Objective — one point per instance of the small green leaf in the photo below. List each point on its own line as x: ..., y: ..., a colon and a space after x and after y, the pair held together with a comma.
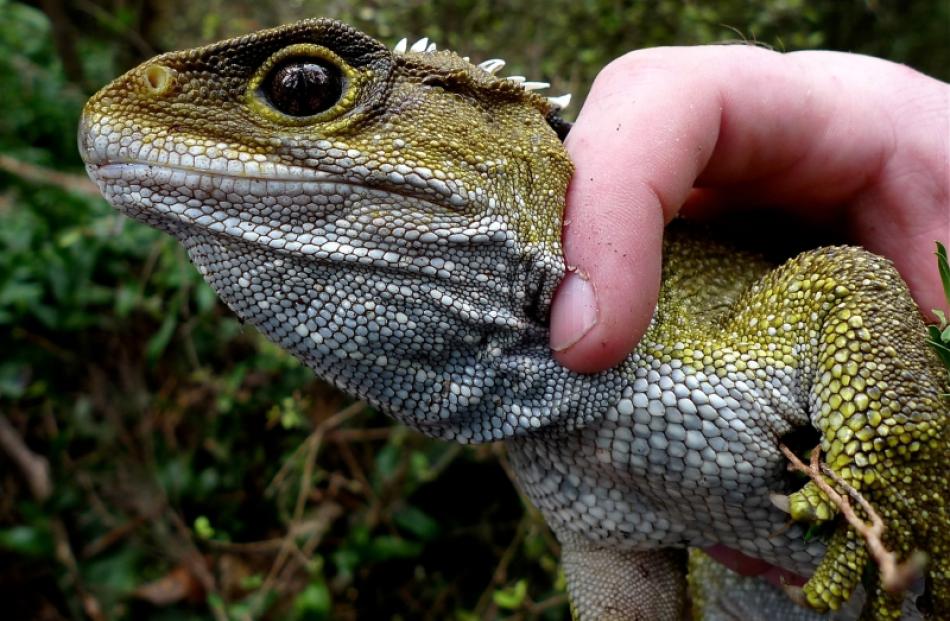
x: 417, y: 522
x: 940, y: 336
x: 943, y: 266
x: 252, y: 582
x: 385, y: 547
x: 27, y: 540
x: 943, y: 350
x: 203, y: 528
x: 313, y: 603
x: 512, y: 597
x: 159, y: 341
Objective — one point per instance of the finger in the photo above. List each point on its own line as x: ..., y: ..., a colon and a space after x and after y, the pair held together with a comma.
x: 635, y: 159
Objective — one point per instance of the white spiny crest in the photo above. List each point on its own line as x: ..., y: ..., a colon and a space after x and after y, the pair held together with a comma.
x: 534, y: 86
x: 561, y: 101
x: 420, y: 45
x: 492, y: 66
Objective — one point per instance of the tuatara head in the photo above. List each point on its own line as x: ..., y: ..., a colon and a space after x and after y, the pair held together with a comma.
x: 392, y: 217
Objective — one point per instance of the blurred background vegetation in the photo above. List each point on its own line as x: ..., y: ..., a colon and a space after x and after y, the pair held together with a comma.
x: 158, y: 460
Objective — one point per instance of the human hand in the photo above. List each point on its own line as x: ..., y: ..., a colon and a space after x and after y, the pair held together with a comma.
x: 841, y: 140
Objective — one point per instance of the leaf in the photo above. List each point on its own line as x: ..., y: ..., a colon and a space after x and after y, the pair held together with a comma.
x: 940, y: 337
x: 159, y: 341
x: 940, y: 346
x: 417, y: 522
x: 313, y: 602
x: 203, y: 528
x: 177, y: 585
x: 385, y: 547
x: 943, y: 266
x: 512, y: 597
x: 27, y: 540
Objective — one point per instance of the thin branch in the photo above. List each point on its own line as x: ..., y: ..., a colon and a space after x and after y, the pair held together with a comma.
x: 316, y: 435
x: 310, y: 447
x: 33, y: 467
x: 39, y: 174
x: 895, y: 577
x: 500, y: 575
x: 195, y: 562
x: 64, y: 36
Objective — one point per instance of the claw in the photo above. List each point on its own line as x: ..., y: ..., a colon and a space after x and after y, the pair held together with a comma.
x: 796, y: 594
x: 780, y: 501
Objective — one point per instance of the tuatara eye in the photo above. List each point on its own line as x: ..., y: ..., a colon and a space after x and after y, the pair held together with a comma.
x: 303, y: 87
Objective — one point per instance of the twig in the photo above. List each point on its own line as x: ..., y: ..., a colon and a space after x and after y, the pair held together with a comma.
x: 356, y: 470
x: 316, y: 435
x: 895, y: 577
x: 359, y: 435
x: 106, y: 541
x: 326, y: 515
x: 64, y: 35
x: 39, y: 174
x: 552, y: 602
x: 33, y: 467
x: 311, y: 446
x: 501, y: 570
x: 197, y: 566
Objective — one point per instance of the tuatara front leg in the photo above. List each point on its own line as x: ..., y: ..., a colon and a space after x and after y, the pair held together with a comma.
x: 873, y: 392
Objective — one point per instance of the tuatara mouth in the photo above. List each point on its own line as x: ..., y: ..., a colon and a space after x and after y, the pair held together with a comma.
x: 295, y: 213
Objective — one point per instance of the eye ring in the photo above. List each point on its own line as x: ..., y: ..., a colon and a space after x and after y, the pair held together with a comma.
x: 295, y: 70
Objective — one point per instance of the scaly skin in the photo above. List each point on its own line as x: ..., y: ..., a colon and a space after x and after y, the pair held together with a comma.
x: 393, y: 219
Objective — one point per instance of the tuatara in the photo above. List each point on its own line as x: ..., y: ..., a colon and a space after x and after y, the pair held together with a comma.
x: 393, y: 219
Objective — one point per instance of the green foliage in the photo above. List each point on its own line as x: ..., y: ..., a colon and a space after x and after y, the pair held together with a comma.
x: 182, y: 446
x: 30, y: 540
x: 940, y: 334
x: 512, y: 597
x: 313, y: 603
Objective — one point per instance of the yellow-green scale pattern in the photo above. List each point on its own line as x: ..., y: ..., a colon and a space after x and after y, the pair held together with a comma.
x: 883, y: 422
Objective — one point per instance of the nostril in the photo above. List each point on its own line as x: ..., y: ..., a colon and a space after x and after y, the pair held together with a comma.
x: 158, y: 79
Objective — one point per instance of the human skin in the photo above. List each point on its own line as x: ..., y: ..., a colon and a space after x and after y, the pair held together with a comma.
x: 850, y: 144
x: 843, y: 141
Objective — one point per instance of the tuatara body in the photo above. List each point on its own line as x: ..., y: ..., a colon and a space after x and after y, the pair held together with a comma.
x: 393, y: 219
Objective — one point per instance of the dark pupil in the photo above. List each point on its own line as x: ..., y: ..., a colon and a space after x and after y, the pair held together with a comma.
x: 303, y: 87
